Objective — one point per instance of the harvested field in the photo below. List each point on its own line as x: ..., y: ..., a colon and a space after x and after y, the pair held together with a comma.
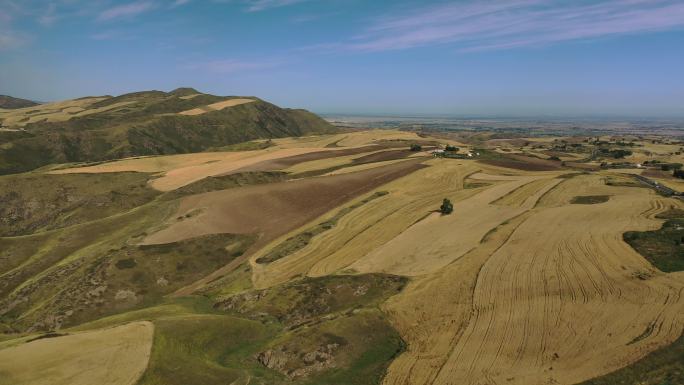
x: 181, y: 170
x: 519, y: 196
x: 430, y: 244
x: 115, y: 356
x: 216, y: 106
x: 185, y: 175
x: 578, y: 281
x: 575, y: 280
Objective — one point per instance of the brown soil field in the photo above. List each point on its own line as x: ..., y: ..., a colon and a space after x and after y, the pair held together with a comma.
x: 114, y: 356
x: 522, y: 162
x: 216, y: 106
x: 384, y: 155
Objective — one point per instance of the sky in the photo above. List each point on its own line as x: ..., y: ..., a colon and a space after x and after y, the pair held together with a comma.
x: 402, y: 57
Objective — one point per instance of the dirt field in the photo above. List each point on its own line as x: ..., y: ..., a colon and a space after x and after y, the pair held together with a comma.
x: 115, y: 356
x: 216, y: 106
x: 522, y: 162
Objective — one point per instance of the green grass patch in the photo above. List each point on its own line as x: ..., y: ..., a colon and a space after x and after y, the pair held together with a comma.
x: 302, y: 302
x: 299, y: 241
x: 207, y: 350
x: 664, y: 247
x: 589, y: 199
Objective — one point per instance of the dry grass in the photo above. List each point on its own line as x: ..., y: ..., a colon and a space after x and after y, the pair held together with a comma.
x: 216, y: 106
x: 115, y: 356
x: 52, y: 112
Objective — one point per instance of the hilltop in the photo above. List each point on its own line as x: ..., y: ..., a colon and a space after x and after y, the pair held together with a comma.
x: 9, y: 102
x: 93, y: 129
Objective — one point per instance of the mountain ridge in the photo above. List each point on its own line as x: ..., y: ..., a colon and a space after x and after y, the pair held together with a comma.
x: 142, y: 123
x: 10, y: 102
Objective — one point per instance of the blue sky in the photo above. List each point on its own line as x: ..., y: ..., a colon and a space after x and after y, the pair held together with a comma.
x: 505, y: 58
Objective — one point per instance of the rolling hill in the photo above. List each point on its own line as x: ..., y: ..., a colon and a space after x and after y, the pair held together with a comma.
x: 9, y: 102
x: 95, y: 129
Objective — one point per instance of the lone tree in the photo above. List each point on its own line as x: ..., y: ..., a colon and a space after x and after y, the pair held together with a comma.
x: 416, y: 147
x: 451, y: 148
x: 446, y: 207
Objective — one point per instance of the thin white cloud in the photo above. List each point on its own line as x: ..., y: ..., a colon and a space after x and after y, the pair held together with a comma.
x: 505, y: 24
x: 179, y: 3
x: 262, y: 5
x: 111, y: 35
x: 227, y: 66
x: 126, y: 10
x: 10, y: 39
x: 49, y: 16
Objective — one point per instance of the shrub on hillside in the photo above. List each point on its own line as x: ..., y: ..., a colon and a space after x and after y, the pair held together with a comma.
x: 416, y: 147
x: 447, y: 207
